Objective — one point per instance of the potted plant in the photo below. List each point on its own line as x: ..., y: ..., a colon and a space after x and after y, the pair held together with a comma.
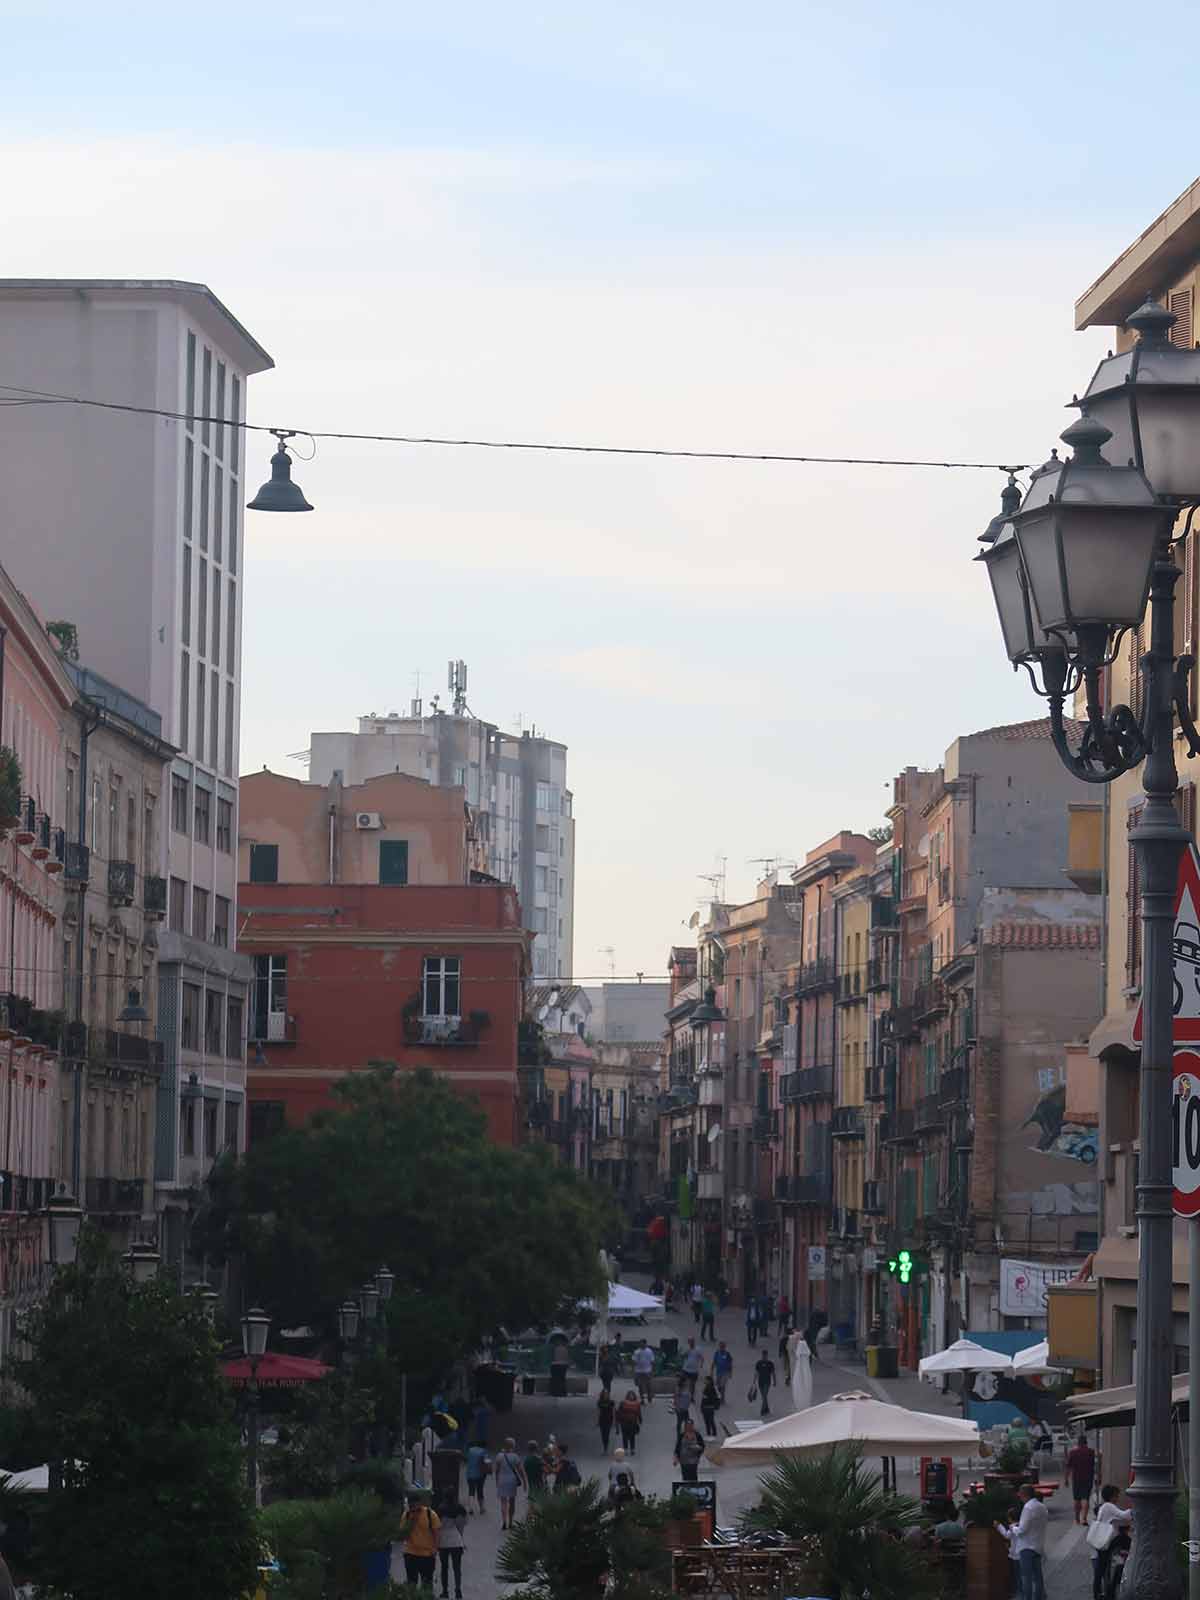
x: 10, y: 787
x: 988, y: 1571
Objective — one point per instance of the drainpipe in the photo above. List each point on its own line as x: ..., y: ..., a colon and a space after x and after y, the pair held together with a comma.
x: 88, y: 723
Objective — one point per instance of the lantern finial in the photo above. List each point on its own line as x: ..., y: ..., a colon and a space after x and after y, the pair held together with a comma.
x: 1152, y: 323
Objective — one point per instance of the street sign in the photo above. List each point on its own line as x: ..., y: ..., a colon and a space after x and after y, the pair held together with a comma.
x: 1185, y: 1133
x: 1186, y: 947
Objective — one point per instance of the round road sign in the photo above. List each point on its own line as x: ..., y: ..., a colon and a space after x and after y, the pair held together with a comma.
x: 1185, y: 1133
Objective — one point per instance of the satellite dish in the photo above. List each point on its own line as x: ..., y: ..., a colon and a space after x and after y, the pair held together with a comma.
x: 714, y: 1133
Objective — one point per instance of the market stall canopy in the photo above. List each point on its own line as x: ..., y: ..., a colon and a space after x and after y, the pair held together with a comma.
x: 1034, y: 1362
x: 964, y: 1355
x: 622, y: 1298
x: 853, y: 1418
x: 274, y: 1371
x: 1114, y: 1408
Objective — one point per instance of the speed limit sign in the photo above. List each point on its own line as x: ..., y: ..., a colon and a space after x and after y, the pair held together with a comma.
x: 1185, y: 1134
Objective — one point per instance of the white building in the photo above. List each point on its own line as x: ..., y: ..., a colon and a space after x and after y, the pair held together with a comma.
x: 130, y: 527
x: 516, y: 787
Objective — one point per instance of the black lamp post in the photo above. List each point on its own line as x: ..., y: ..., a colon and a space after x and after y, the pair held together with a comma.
x: 1091, y: 539
x: 142, y: 1260
x: 255, y: 1326
x: 279, y: 493
x: 64, y: 1219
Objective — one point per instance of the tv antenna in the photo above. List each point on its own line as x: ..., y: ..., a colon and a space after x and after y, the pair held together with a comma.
x: 716, y: 880
x: 302, y: 756
x: 770, y: 864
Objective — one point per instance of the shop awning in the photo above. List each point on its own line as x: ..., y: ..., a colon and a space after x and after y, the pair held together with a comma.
x: 274, y: 1371
x: 1114, y: 1408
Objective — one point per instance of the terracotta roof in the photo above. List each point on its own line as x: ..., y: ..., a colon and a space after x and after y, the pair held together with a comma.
x: 1044, y: 935
x: 1040, y: 729
x: 567, y: 994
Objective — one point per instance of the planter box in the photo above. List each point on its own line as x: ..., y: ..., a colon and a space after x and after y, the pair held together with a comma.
x: 989, y: 1570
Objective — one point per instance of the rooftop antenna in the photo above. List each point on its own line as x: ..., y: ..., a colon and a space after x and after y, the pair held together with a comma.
x: 716, y: 880
x: 610, y: 951
x: 302, y: 756
x: 456, y: 678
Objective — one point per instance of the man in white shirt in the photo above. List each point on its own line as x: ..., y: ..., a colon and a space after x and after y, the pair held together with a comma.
x: 643, y: 1371
x: 1110, y: 1517
x: 1027, y: 1538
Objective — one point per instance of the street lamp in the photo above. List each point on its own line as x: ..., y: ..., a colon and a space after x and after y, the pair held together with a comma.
x: 369, y: 1297
x: 65, y: 1217
x: 209, y: 1301
x: 385, y: 1282
x: 255, y: 1325
x: 347, y: 1321
x: 1092, y: 538
x: 142, y: 1259
x: 279, y: 493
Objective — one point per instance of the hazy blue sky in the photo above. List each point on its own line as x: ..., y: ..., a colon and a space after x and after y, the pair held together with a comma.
x: 852, y: 229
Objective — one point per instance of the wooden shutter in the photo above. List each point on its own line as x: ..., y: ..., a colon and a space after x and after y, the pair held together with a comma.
x: 1133, y: 914
x: 1181, y: 304
x: 1185, y: 804
x: 1136, y: 651
x: 1190, y: 613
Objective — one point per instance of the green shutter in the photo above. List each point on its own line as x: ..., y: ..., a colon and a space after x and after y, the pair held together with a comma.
x: 264, y: 863
x: 393, y: 861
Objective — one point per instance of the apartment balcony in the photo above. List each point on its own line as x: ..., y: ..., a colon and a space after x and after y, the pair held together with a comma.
x: 897, y: 1127
x: 847, y: 1122
x: 19, y: 1193
x: 58, y: 850
x: 682, y: 1095
x: 816, y: 975
x: 444, y: 1032
x: 77, y: 862
x: 765, y: 1127
x: 710, y: 1186
x: 879, y: 974
x: 813, y: 1083
x: 813, y: 1189
x: 119, y: 1049
x: 876, y: 1084
x: 114, y: 1196
x: 928, y: 1114
x: 952, y: 1086
x: 122, y: 882
x: 154, y: 896
x: 789, y: 1086
x: 901, y: 1022
x: 42, y: 838
x: 883, y: 914
x: 844, y: 1223
x: 26, y: 831
x: 874, y: 1198
x: 851, y: 989
x: 929, y: 1001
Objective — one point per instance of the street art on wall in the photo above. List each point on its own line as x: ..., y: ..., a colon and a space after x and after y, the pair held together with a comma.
x: 1055, y: 1135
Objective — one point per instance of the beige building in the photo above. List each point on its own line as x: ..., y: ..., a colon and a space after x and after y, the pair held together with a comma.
x: 852, y: 902
x: 624, y: 1147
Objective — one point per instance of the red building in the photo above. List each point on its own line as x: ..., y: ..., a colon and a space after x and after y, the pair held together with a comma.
x: 423, y: 975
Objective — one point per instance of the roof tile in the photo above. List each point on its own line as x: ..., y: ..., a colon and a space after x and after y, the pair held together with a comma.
x: 1044, y: 935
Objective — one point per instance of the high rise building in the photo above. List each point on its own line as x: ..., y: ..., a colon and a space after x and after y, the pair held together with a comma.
x: 129, y: 527
x: 515, y: 785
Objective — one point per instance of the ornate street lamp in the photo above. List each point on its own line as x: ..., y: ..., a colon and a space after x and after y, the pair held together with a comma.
x: 347, y: 1319
x: 142, y: 1260
x: 369, y: 1297
x: 65, y: 1218
x: 385, y: 1282
x: 1025, y: 640
x: 255, y: 1326
x: 1092, y: 538
x: 209, y: 1301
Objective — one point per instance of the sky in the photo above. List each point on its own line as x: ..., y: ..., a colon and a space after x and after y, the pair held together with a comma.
x: 851, y: 230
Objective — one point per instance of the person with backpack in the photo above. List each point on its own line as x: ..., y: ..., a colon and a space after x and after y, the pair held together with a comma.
x: 478, y: 1467
x: 629, y: 1419
x: 451, y: 1543
x: 688, y: 1453
x: 605, y: 1412
x: 752, y: 1321
x: 567, y: 1476
x: 419, y: 1531
x: 764, y: 1377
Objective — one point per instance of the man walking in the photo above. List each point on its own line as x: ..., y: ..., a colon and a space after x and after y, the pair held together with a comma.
x: 693, y: 1364
x: 752, y: 1321
x: 722, y: 1365
x: 689, y: 1450
x: 708, y: 1312
x: 643, y: 1371
x: 697, y: 1297
x: 764, y: 1377
x: 1027, y: 1541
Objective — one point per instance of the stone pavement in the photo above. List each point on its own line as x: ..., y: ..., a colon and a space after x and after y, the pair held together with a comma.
x: 572, y: 1419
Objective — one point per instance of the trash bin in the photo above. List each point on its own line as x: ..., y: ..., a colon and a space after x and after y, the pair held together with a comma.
x: 495, y: 1383
x: 881, y: 1361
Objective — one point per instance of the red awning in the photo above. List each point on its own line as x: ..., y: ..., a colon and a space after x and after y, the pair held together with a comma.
x: 274, y: 1371
x: 657, y: 1230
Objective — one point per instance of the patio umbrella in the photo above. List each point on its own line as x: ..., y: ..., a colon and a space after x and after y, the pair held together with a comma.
x: 621, y: 1298
x: 273, y: 1371
x: 964, y: 1355
x: 801, y: 1371
x: 853, y: 1418
x: 1035, y: 1361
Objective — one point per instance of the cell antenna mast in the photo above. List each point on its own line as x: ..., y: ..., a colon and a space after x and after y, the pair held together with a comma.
x: 457, y: 681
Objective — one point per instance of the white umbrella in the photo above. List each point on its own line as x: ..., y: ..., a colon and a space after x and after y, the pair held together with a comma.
x: 621, y: 1298
x: 801, y: 1372
x: 855, y: 1418
x: 964, y: 1355
x: 1035, y: 1361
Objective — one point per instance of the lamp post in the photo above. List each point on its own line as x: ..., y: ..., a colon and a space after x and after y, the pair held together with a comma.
x: 255, y: 1325
x: 64, y: 1217
x: 701, y: 1023
x: 1071, y: 568
x: 142, y: 1259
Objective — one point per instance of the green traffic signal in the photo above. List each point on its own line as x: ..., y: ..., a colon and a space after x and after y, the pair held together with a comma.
x: 901, y: 1266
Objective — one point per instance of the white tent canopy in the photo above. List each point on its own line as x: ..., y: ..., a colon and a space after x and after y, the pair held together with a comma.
x: 964, y: 1355
x: 854, y: 1418
x: 1035, y: 1361
x: 622, y: 1298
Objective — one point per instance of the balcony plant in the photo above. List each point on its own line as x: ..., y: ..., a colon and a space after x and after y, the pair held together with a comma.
x: 11, y: 779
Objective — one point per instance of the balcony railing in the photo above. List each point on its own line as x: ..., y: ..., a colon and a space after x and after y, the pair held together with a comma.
x: 879, y: 973
x: 847, y: 1122
x: 114, y: 1195
x: 896, y: 1127
x: 952, y: 1086
x: 874, y: 1198
x: 273, y: 1027
x: 844, y: 1223
x: 789, y: 1086
x: 444, y: 1032
x: 901, y: 1022
x: 77, y: 862
x: 122, y: 881
x: 19, y: 1193
x: 813, y: 1189
x: 851, y: 988
x: 928, y: 1113
x: 876, y: 1083
x: 816, y: 974
x: 812, y: 1083
x: 765, y: 1127
x: 883, y: 913
x: 681, y: 1096
x: 930, y: 1000
x: 154, y: 896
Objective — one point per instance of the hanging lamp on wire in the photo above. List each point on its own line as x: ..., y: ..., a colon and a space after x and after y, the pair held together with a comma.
x: 279, y: 493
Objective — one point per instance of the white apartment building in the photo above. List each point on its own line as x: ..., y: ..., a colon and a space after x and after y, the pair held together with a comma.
x: 516, y: 787
x: 130, y: 527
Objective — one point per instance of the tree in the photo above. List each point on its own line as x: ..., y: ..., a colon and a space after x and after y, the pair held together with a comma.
x: 402, y: 1172
x: 323, y: 1545
x: 574, y: 1546
x: 852, y: 1520
x: 126, y: 1391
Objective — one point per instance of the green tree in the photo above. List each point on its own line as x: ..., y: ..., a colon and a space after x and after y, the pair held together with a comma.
x: 845, y: 1509
x: 403, y: 1172
x: 124, y: 1386
x: 575, y: 1546
x: 323, y: 1545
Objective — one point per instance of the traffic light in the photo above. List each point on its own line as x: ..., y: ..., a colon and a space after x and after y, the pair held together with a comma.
x: 901, y: 1266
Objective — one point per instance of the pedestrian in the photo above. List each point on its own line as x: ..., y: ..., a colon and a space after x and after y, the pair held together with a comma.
x: 535, y: 1468
x: 785, y: 1351
x: 766, y: 1310
x: 764, y: 1377
x: 1028, y: 1538
x: 697, y: 1298
x: 812, y: 1331
x: 510, y: 1476
x: 688, y: 1451
x: 478, y: 1467
x: 605, y: 1411
x: 708, y: 1312
x: 550, y: 1459
x: 620, y: 1464
x: 629, y: 1420
x: 785, y: 1314
x: 566, y: 1475
x: 1081, y: 1469
x: 419, y: 1530
x: 722, y: 1366
x: 1109, y: 1524
x: 643, y: 1371
x: 606, y: 1368
x: 683, y: 1406
x: 451, y: 1542
x: 709, y: 1401
x: 752, y: 1320
x: 481, y: 1422
x: 722, y: 1293
x: 693, y: 1363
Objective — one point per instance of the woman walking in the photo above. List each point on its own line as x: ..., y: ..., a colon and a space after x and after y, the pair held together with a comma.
x: 605, y: 1412
x: 419, y: 1530
x: 709, y: 1401
x: 478, y: 1467
x: 510, y: 1476
x: 752, y: 1320
x: 688, y: 1453
x: 535, y: 1468
x: 629, y: 1417
x: 451, y: 1543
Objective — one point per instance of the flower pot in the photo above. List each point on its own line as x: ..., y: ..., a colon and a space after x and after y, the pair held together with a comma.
x: 989, y: 1570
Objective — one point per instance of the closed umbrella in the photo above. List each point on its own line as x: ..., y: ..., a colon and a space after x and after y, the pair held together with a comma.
x: 853, y: 1418
x: 1035, y: 1362
x: 802, y: 1388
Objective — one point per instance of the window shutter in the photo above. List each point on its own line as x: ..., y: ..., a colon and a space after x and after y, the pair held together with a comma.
x: 1189, y: 613
x: 1181, y: 333
x: 1185, y: 804
x: 1133, y: 913
x: 1136, y: 651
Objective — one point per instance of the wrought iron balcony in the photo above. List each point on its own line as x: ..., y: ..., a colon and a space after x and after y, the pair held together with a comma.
x: 851, y: 988
x: 874, y: 1194
x: 928, y: 1113
x: 813, y: 1189
x: 444, y: 1032
x: 77, y: 862
x: 876, y: 1083
x: 812, y: 1083
x: 114, y: 1196
x: 154, y: 896
x: 879, y: 973
x: 21, y: 1193
x: 929, y: 1001
x: 122, y: 881
x: 272, y: 1027
x: 952, y: 1086
x: 897, y: 1126
x: 815, y: 975
x: 847, y: 1122
x: 765, y: 1127
x: 901, y: 1022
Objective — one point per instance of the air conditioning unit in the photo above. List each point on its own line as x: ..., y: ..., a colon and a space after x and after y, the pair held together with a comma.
x: 368, y: 819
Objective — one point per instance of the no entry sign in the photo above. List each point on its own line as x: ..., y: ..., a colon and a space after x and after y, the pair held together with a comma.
x: 1185, y: 1133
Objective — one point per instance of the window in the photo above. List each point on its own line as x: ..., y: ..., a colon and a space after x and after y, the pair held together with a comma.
x: 235, y: 406
x: 203, y: 815
x: 114, y: 820
x: 176, y: 901
x: 539, y: 919
x: 266, y: 1118
x: 186, y: 626
x: 211, y: 1108
x: 214, y: 1008
x: 95, y: 813
x: 190, y: 395
x: 233, y: 1120
x: 202, y: 602
x: 231, y: 561
x: 225, y: 825
x: 219, y: 408
x: 229, y: 720
x: 179, y: 803
x: 206, y: 391
x: 185, y: 688
x: 230, y: 622
x: 560, y: 886
x: 71, y: 800
x: 221, y: 921
x: 561, y: 845
x: 441, y: 982
x: 131, y: 819
x: 540, y: 880
x: 189, y: 1031
x: 560, y: 927
x: 393, y: 861
x: 235, y: 1048
x: 545, y: 797
x: 270, y: 997
x: 198, y: 746
x: 205, y: 472
x: 187, y: 1127
x: 542, y: 836
x: 200, y: 914
x: 264, y: 863
x: 214, y: 654
x: 219, y: 516
x: 214, y: 714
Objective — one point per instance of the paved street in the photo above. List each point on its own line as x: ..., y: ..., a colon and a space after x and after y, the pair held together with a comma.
x: 1068, y: 1569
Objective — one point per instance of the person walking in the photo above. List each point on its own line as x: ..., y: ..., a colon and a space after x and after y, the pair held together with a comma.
x: 629, y: 1420
x: 709, y: 1401
x: 478, y: 1467
x: 683, y: 1406
x: 605, y: 1412
x: 766, y: 1311
x: 535, y: 1468
x: 567, y: 1474
x: 764, y: 1377
x: 752, y: 1321
x: 1109, y: 1524
x: 693, y: 1363
x: 620, y: 1465
x: 481, y: 1422
x: 1081, y: 1469
x: 1027, y: 1537
x: 643, y: 1371
x: 606, y: 1368
x: 419, y: 1530
x: 785, y: 1314
x: 510, y: 1476
x: 708, y: 1312
x: 697, y: 1296
x: 688, y: 1453
x: 785, y: 1351
x: 451, y: 1542
x: 722, y: 1368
